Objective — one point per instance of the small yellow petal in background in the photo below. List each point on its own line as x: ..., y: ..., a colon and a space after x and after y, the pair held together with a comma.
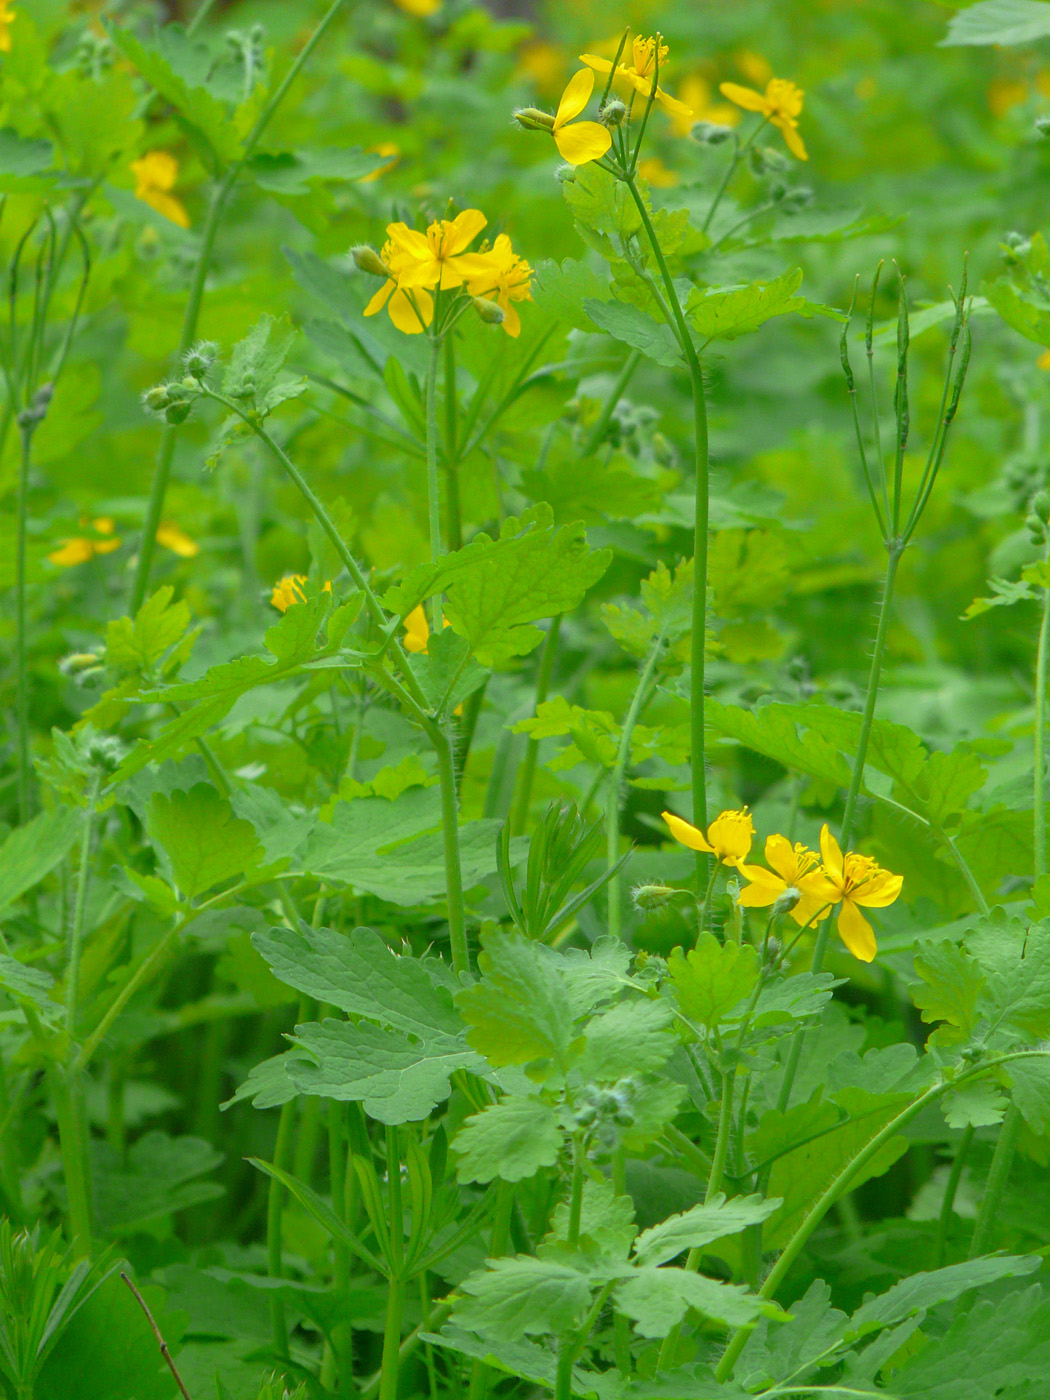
x: 172, y: 537
x: 744, y: 97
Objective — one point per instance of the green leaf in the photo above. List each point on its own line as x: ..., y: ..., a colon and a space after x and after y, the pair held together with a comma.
x: 999, y: 22
x: 668, y: 600
x: 926, y: 1290
x: 33, y: 984
x: 204, y: 841
x: 1028, y: 313
x: 395, y: 1079
x: 658, y: 1299
x: 606, y: 1222
x: 1016, y: 962
x: 632, y: 1038
x: 160, y: 1176
x: 692, y: 1229
x: 605, y: 214
x: 511, y: 1140
x: 321, y: 1211
x: 293, y: 173
x: 522, y: 1296
x: 566, y: 288
x: 979, y: 1103
x: 713, y: 978
x: 634, y: 327
x: 25, y: 163
x: 496, y: 588
x: 718, y: 313
x: 519, y: 1012
x: 1030, y: 1089
x: 952, y: 984
x: 177, y: 67
x: 135, y: 645
x: 32, y: 851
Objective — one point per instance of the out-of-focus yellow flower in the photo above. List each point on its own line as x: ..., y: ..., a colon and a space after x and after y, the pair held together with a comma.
x: 856, y: 881
x: 291, y: 589
x: 780, y: 105
x: 728, y: 837
x: 793, y: 868
x: 173, y: 537
x: 502, y: 275
x: 1004, y: 93
x: 7, y: 18
x: 1043, y: 362
x: 385, y: 148
x: 419, y: 8
x: 579, y: 142
x: 418, y: 262
x: 697, y: 96
x: 755, y: 68
x: 543, y: 64
x: 656, y: 173
x: 641, y: 72
x: 80, y: 548
x: 417, y: 629
x: 155, y: 175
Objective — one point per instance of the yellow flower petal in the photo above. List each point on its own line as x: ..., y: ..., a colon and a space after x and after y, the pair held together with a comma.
x: 582, y: 142
x: 882, y: 889
x: 831, y: 855
x: 417, y: 630
x: 70, y: 552
x: 686, y: 833
x: 856, y: 932
x: 411, y: 318
x: 575, y: 97
x: 172, y: 537
x: 792, y: 139
x: 465, y: 227
x: 750, y: 100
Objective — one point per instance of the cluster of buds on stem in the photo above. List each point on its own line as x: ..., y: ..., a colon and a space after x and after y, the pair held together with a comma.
x: 1037, y: 521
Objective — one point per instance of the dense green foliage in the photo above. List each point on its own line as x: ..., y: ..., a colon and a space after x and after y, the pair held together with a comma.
x: 363, y: 1030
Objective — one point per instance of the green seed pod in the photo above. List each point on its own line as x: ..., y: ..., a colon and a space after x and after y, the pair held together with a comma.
x: 368, y: 260
x: 532, y: 119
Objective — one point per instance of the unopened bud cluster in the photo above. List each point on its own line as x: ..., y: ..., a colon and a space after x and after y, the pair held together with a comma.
x: 199, y: 359
x: 1037, y: 521
x: 36, y: 410
x: 613, y: 113
x: 710, y: 133
x: 174, y: 400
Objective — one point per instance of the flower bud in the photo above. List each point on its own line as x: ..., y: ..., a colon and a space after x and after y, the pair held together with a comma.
x: 368, y: 260
x: 565, y: 174
x: 199, y: 360
x: 794, y: 200
x: 613, y: 113
x: 1041, y: 504
x: 1035, y: 526
x: 157, y: 398
x: 177, y: 413
x: 650, y: 897
x: 710, y: 133
x: 1042, y: 126
x: 532, y: 119
x: 785, y: 902
x: 490, y: 313
x: 767, y: 161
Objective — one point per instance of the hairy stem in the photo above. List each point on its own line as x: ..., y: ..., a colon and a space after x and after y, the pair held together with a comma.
x: 520, y: 810
x: 21, y: 646
x: 998, y: 1176
x: 944, y: 1220
x: 616, y: 778
x: 1039, y: 743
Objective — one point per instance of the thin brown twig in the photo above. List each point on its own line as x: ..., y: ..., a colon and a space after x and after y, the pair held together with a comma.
x: 157, y: 1333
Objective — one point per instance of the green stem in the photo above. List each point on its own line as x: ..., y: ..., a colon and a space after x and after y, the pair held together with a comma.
x: 457, y: 926
x: 621, y: 1325
x: 1038, y: 747
x: 616, y: 779
x: 72, y: 1140
x: 944, y: 1220
x: 597, y: 433
x: 998, y: 1176
x: 563, y: 1374
x: 191, y: 315
x: 391, y: 1363
x: 698, y: 732
x: 817, y: 1212
x: 576, y: 1196
x: 76, y: 935
x: 520, y: 811
x: 21, y: 646
x: 437, y: 541
x: 274, y: 1216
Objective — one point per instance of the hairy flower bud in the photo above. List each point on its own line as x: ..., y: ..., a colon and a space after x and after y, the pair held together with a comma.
x: 613, y: 113
x: 710, y: 133
x: 157, y: 399
x: 649, y: 897
x: 1042, y: 126
x: 532, y: 119
x: 1041, y: 504
x: 368, y: 260
x: 200, y: 358
x: 489, y: 312
x: 785, y: 902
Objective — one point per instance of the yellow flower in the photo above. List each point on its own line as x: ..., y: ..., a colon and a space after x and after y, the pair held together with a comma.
x: 155, y: 175
x: 172, y: 537
x: 641, y: 72
x: 728, y: 837
x: 755, y: 68
x: 780, y: 105
x: 856, y: 880
x: 695, y: 92
x: 1043, y: 362
x: 419, y: 8
x: 7, y: 18
x: 504, y: 275
x: 81, y: 548
x: 792, y: 868
x: 385, y: 148
x: 579, y: 142
x: 290, y: 589
x: 419, y: 261
x: 653, y: 170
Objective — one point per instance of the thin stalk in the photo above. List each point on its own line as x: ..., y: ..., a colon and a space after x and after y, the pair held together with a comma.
x: 520, y: 810
x: 944, y: 1220
x: 408, y: 1346
x: 739, y: 151
x: 391, y: 1363
x: 601, y: 423
x: 621, y: 1325
x: 817, y: 1212
x: 72, y: 1141
x: 576, y: 1195
x: 563, y: 1374
x: 998, y: 1176
x: 457, y: 926
x: 698, y: 732
x: 191, y: 315
x: 437, y: 540
x: 1039, y: 743
x: 76, y: 934
x: 282, y: 1153
x: 165, y: 1353
x: 616, y: 778
x: 21, y: 647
